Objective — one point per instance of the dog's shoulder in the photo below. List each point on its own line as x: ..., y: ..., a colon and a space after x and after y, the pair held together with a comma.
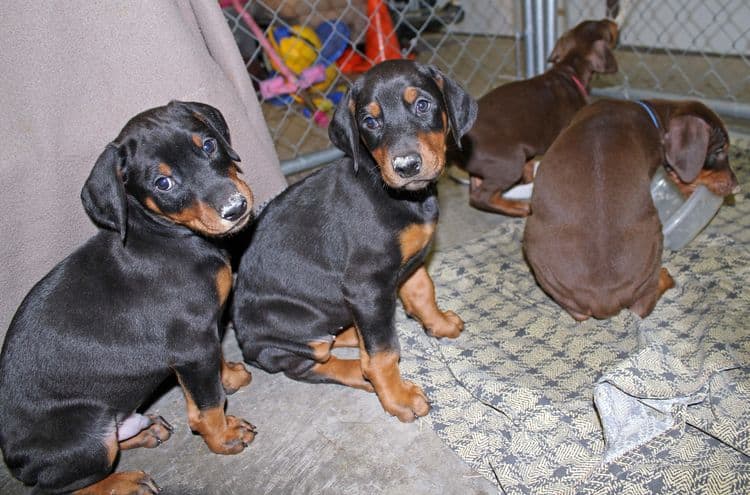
x: 333, y: 190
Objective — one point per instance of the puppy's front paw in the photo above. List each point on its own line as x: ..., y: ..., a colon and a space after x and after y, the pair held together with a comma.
x: 449, y: 325
x: 234, y: 438
x: 407, y: 403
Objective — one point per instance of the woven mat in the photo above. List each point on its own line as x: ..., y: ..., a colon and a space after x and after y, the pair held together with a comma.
x: 541, y: 404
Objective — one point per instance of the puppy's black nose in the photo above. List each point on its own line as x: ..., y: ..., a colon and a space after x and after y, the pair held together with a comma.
x: 235, y: 207
x: 408, y: 165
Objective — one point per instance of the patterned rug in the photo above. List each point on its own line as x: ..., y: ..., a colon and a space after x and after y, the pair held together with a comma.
x: 541, y: 404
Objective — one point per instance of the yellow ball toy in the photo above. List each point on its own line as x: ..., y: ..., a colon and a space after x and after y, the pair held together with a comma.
x: 299, y: 46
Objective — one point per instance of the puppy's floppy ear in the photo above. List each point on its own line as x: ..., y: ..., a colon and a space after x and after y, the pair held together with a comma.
x: 563, y: 45
x: 214, y: 120
x: 103, y: 195
x: 461, y: 107
x: 600, y: 54
x: 686, y: 145
x: 343, y: 130
x: 601, y: 58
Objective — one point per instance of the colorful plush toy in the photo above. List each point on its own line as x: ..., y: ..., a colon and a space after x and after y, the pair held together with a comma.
x: 301, y: 50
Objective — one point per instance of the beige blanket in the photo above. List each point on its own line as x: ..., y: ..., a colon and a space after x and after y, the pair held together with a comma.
x: 541, y: 404
x: 73, y: 73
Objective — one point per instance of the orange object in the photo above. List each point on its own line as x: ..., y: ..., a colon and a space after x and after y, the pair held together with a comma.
x: 381, y: 41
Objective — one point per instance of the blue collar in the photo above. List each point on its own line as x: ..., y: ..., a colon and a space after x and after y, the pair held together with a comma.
x: 649, y: 111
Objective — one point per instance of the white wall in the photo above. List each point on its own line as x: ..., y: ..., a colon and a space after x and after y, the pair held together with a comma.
x: 718, y: 26
x: 489, y: 17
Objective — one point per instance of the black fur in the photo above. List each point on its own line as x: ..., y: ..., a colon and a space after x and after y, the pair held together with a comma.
x: 137, y: 302
x: 325, y: 253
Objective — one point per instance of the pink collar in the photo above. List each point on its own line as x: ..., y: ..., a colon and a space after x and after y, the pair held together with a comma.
x: 580, y: 86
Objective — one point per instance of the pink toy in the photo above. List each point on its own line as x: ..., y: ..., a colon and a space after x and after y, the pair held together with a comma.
x: 288, y: 82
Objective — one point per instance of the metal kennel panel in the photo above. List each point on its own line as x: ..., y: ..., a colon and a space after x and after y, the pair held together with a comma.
x: 676, y: 49
x: 477, y: 42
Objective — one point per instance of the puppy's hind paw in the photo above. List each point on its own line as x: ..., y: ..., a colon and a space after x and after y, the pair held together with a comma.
x: 157, y: 432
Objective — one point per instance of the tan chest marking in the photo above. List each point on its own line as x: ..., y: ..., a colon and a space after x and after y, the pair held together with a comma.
x: 223, y: 283
x: 415, y: 238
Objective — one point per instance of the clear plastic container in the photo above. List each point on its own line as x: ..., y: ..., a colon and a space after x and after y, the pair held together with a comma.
x: 682, y: 218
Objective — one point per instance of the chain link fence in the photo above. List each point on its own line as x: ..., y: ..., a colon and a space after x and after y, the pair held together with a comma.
x: 677, y: 48
x: 672, y: 48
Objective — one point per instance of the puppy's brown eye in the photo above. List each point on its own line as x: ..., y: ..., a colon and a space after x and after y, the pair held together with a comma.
x: 422, y: 105
x: 209, y: 145
x: 370, y: 123
x: 164, y: 183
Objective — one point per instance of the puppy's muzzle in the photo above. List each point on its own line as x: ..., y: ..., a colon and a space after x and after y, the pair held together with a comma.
x: 407, y: 165
x: 235, y: 207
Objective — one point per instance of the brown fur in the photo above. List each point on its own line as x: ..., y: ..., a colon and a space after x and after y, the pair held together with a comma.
x: 127, y: 482
x: 402, y: 398
x: 418, y: 296
x: 594, y: 239
x: 223, y: 434
x: 519, y: 120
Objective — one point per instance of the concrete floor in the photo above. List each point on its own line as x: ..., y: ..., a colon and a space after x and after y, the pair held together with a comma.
x: 313, y: 439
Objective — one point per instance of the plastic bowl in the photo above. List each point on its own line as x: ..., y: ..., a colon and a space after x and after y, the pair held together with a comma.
x: 522, y: 191
x: 682, y: 218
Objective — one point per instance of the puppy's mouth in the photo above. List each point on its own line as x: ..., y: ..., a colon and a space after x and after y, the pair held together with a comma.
x: 411, y: 183
x: 416, y: 166
x: 203, y: 218
x: 238, y: 225
x: 720, y: 182
x: 215, y: 226
x: 418, y: 184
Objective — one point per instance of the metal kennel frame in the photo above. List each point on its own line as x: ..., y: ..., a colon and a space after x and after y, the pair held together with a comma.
x: 696, y: 49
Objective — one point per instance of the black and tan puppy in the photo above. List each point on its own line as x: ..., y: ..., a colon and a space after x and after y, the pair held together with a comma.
x: 138, y: 302
x: 593, y: 239
x: 519, y: 120
x: 330, y: 254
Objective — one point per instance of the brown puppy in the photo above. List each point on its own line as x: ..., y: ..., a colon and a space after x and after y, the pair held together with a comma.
x: 594, y: 239
x: 519, y: 120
